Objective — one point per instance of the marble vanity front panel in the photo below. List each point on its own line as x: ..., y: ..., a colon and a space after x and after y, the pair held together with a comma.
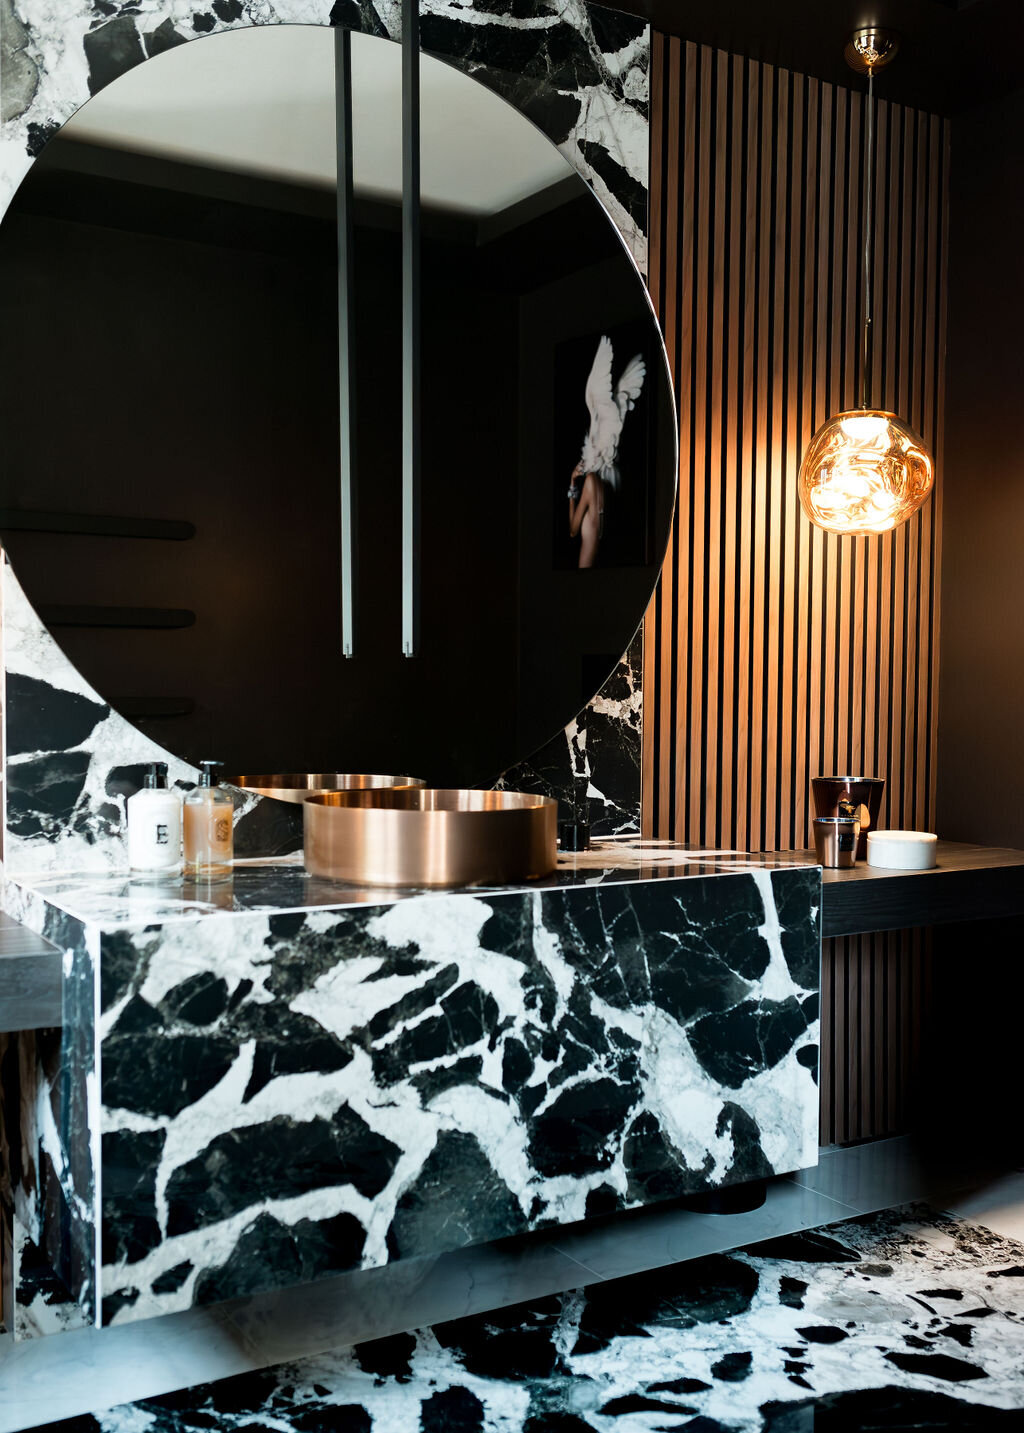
x: 289, y: 1091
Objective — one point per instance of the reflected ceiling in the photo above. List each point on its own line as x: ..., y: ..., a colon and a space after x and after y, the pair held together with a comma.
x: 203, y: 113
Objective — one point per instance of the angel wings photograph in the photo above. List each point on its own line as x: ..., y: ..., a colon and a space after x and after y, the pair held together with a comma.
x: 600, y: 479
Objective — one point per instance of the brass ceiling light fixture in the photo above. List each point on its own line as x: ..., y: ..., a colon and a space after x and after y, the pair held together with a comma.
x: 865, y: 470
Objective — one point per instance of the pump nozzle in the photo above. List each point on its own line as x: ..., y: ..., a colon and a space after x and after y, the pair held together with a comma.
x: 208, y: 767
x: 156, y: 777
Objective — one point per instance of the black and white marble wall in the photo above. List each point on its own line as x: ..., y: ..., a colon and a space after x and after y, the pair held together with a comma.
x: 580, y: 72
x: 42, y: 1303
x: 289, y: 1092
x: 71, y: 761
x: 49, y: 1112
x: 593, y: 766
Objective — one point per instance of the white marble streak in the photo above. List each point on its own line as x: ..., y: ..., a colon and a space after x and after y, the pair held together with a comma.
x: 300, y: 1097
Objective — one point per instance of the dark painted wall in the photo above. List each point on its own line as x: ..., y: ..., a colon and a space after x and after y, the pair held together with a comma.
x: 981, y: 702
x: 567, y: 614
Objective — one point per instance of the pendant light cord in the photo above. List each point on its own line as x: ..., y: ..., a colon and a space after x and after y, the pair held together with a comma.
x: 869, y: 243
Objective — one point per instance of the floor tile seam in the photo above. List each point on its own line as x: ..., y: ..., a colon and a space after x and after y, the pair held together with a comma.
x: 849, y: 1210
x: 602, y: 1278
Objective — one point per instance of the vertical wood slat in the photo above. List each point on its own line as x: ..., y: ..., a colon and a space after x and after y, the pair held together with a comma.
x: 653, y: 719
x: 702, y: 345
x: 740, y: 830
x: 876, y: 999
x: 684, y: 521
x: 716, y: 401
x: 774, y: 651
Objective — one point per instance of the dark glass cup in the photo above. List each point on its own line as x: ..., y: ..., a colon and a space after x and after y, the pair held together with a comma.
x: 856, y: 796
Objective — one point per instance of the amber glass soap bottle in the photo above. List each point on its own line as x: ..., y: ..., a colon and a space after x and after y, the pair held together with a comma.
x: 208, y: 833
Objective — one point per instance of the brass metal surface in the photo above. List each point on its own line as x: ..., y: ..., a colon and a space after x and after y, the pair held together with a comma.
x: 870, y: 49
x: 424, y: 837
x: 297, y: 785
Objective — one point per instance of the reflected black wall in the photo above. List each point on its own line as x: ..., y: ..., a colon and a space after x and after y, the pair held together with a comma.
x: 568, y: 615
x: 188, y: 325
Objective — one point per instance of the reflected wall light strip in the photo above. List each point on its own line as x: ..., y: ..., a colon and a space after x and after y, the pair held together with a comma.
x: 346, y: 331
x: 865, y: 470
x: 410, y: 327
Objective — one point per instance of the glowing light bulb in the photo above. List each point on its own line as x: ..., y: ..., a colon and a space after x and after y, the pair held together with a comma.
x: 867, y: 429
x: 864, y: 471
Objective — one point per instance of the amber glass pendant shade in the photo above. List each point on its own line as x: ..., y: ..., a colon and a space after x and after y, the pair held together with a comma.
x: 865, y: 471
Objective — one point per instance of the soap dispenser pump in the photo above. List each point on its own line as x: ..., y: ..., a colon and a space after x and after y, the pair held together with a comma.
x: 209, y: 813
x: 154, y: 825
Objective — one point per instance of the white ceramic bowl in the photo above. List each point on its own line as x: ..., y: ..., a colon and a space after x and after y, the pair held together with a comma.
x: 902, y: 850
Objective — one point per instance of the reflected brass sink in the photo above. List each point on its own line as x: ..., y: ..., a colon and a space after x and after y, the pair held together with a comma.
x: 423, y: 837
x: 297, y: 785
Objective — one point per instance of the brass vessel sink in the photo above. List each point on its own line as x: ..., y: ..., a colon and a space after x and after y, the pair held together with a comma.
x: 297, y: 785
x: 423, y: 837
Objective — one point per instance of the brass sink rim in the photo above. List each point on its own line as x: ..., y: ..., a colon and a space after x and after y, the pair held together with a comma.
x: 297, y: 786
x: 417, y: 797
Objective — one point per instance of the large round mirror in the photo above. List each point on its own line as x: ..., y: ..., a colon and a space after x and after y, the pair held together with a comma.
x: 169, y: 411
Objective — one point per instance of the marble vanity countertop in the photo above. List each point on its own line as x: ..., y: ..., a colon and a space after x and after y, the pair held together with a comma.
x: 281, y: 885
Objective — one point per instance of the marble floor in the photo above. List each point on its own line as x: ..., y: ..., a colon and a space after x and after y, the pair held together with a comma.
x: 132, y: 1369
x: 910, y: 1318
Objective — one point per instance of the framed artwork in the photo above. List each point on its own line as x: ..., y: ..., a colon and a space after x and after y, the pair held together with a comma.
x: 601, y: 486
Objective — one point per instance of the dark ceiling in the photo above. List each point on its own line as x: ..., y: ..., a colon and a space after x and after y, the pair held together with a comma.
x: 954, y: 54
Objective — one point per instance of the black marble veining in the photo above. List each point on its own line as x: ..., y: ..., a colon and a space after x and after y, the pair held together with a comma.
x: 289, y: 1090
x: 592, y: 767
x: 903, y: 1320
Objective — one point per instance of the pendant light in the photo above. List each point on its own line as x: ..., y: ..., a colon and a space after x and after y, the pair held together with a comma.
x: 865, y: 470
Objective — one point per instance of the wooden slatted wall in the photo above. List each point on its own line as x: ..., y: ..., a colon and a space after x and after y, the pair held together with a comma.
x: 876, y: 1003
x: 773, y: 651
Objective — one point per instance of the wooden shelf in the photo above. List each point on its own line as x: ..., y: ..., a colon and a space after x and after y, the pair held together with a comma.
x: 967, y: 883
x: 30, y: 979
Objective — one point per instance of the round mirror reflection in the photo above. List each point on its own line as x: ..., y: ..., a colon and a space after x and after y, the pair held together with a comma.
x: 169, y: 410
